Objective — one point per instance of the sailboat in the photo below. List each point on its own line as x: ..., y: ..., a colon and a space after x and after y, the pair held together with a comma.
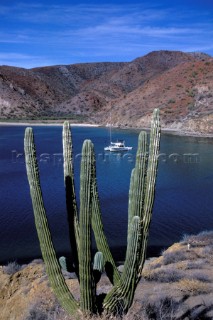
x: 117, y: 146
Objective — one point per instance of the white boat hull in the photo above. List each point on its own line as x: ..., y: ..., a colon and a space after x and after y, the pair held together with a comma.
x: 117, y: 149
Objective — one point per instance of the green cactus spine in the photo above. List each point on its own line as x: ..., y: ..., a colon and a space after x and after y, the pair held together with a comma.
x: 48, y: 252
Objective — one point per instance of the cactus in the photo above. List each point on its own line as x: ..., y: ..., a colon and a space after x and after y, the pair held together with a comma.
x: 48, y: 252
x: 72, y: 212
x: 98, y: 263
x: 141, y: 197
x: 98, y: 266
x: 63, y: 263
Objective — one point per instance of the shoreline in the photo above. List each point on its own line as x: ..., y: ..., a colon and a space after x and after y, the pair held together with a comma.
x: 163, y: 130
x: 29, y: 123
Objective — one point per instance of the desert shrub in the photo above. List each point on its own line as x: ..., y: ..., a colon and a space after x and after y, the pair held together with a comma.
x: 195, y: 264
x: 208, y: 250
x: 40, y: 311
x: 163, y: 274
x: 174, y: 256
x: 11, y: 268
x: 192, y: 286
x: 162, y: 308
x: 201, y: 239
x: 171, y: 101
x: 37, y: 261
x: 199, y: 276
x: 191, y: 106
x: 37, y: 314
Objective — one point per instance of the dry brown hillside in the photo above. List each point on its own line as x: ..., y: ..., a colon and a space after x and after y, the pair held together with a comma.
x: 180, y: 84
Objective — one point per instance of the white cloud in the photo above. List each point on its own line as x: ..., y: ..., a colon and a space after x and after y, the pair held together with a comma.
x: 66, y: 33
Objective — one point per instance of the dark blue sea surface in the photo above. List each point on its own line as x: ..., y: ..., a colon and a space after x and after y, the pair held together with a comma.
x: 184, y: 191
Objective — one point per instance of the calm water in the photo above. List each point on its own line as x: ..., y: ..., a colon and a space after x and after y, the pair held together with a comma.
x: 184, y: 193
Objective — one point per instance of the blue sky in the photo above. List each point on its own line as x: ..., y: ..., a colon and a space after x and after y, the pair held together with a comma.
x: 38, y: 33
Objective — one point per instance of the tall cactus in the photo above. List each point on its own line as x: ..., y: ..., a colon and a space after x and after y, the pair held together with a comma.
x: 72, y: 212
x: 85, y: 247
x: 141, y: 197
x: 48, y: 252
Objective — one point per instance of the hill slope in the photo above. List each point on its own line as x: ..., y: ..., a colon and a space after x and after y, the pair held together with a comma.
x: 180, y: 84
x: 177, y: 285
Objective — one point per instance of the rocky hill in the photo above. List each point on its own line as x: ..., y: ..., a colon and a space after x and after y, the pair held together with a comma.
x: 177, y: 285
x: 180, y: 84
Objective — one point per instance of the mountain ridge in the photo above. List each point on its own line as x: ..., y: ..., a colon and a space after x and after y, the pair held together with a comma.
x: 179, y: 84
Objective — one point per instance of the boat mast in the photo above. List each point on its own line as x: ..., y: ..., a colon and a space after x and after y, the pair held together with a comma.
x: 110, y: 128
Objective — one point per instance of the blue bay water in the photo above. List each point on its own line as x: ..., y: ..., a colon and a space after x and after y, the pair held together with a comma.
x: 184, y: 191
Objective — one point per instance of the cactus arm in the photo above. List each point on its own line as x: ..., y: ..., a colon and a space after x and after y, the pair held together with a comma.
x: 87, y: 300
x: 100, y: 238
x: 71, y: 203
x: 98, y: 266
x: 119, y: 299
x: 137, y: 182
x: 98, y: 263
x: 150, y: 183
x: 53, y: 269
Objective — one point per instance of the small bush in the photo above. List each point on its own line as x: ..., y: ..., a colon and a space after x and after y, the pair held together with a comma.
x: 40, y: 311
x: 37, y: 314
x: 171, y: 101
x: 12, y: 268
x: 163, y: 275
x: 174, y: 256
x: 208, y: 251
x: 199, y: 276
x: 203, y: 238
x: 192, y: 286
x: 195, y: 264
x: 164, y: 307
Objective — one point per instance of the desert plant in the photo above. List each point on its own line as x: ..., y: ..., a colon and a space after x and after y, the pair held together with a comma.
x: 174, y: 256
x: 11, y: 268
x: 141, y: 198
x: 163, y: 274
x: 63, y: 263
x: 162, y: 307
x: 192, y: 286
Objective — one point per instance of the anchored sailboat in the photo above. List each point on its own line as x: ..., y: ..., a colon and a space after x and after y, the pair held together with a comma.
x: 117, y: 146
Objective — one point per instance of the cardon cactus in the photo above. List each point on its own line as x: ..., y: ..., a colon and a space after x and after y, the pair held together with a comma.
x: 141, y: 198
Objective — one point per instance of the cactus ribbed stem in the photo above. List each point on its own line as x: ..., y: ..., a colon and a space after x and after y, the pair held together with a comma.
x: 100, y: 238
x: 48, y: 252
x: 120, y: 298
x: 141, y: 197
x: 71, y: 204
x: 98, y: 263
x: 87, y: 300
x: 137, y: 182
x: 150, y: 183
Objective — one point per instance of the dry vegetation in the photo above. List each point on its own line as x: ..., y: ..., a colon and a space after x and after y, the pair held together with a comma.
x: 176, y: 285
